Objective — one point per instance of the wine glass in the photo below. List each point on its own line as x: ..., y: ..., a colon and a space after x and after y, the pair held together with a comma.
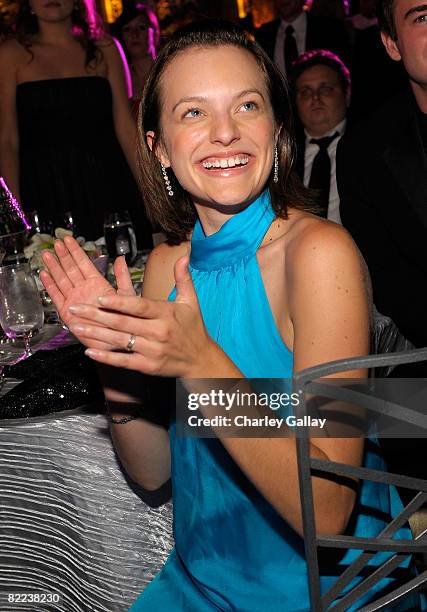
x: 39, y: 224
x: 21, y: 309
x: 71, y: 220
x: 119, y: 235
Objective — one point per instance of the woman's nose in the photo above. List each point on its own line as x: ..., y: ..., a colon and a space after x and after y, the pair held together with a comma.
x: 224, y: 130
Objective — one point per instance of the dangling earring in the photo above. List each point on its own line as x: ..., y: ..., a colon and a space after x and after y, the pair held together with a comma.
x: 276, y: 166
x: 167, y: 181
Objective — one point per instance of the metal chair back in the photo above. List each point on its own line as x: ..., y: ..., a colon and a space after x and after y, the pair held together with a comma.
x: 304, y: 381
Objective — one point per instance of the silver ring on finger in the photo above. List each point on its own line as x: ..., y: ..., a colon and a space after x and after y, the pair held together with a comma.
x: 131, y: 343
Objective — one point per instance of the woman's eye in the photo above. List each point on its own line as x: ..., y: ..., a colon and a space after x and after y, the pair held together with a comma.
x: 192, y: 112
x: 248, y: 106
x: 421, y: 19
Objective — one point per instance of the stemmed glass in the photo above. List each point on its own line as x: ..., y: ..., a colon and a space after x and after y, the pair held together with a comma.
x: 119, y: 235
x: 39, y: 224
x: 21, y: 309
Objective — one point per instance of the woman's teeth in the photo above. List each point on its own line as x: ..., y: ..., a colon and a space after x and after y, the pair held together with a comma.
x: 229, y: 162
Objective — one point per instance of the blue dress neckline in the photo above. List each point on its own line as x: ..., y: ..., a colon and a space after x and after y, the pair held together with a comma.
x: 238, y: 238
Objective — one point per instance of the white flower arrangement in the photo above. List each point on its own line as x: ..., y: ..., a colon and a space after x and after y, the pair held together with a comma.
x: 42, y: 242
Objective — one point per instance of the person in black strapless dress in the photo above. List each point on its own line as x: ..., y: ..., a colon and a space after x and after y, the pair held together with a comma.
x: 67, y: 135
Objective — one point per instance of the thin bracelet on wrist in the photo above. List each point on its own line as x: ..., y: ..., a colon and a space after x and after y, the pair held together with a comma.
x: 121, y: 421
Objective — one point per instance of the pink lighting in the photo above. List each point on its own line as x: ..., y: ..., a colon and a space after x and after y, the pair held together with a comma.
x: 13, y: 203
x: 126, y: 69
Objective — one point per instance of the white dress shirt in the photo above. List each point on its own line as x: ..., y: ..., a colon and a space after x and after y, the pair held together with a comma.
x: 300, y: 30
x: 311, y: 151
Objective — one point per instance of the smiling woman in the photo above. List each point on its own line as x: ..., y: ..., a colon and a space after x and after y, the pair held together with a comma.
x: 268, y: 289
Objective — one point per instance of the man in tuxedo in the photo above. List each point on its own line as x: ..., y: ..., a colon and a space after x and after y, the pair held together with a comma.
x: 322, y: 89
x: 382, y: 184
x: 382, y: 179
x: 296, y: 31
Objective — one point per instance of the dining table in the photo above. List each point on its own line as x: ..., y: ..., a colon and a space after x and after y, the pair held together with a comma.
x: 76, y: 534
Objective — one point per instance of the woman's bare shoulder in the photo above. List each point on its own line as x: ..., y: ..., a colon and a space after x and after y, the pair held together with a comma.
x: 159, y: 271
x: 12, y: 53
x: 320, y: 248
x: 309, y: 232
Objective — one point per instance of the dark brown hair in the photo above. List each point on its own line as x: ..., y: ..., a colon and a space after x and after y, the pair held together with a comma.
x: 26, y: 25
x: 176, y: 215
x: 321, y: 57
x: 385, y: 14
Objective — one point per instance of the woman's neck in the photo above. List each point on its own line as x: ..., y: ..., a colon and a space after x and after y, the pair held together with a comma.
x: 58, y: 33
x: 213, y: 216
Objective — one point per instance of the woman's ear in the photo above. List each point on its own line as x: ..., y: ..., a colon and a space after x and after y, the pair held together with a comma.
x: 158, y: 148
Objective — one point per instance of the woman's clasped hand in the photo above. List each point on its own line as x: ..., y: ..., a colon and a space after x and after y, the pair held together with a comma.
x: 71, y: 278
x: 170, y: 337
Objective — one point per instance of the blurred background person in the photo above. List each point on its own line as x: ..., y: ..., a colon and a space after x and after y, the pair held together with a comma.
x: 381, y: 173
x: 322, y: 88
x: 375, y: 76
x: 138, y: 30
x: 337, y: 9
x: 67, y: 136
x: 297, y: 31
x: 7, y: 8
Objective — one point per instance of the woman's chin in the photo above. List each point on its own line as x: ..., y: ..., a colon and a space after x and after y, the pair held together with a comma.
x: 228, y: 200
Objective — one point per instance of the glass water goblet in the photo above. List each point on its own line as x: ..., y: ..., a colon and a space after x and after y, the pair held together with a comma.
x: 119, y: 236
x: 21, y: 309
x: 39, y: 223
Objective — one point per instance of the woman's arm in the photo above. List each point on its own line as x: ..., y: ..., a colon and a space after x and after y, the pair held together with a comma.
x: 9, y: 139
x: 142, y: 444
x: 124, y: 123
x: 143, y: 447
x: 329, y: 308
x: 330, y: 312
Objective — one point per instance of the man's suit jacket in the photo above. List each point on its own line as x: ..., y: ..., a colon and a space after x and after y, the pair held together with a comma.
x: 382, y: 183
x: 322, y: 33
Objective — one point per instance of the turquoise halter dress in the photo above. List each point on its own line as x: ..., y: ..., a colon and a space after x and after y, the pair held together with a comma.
x: 233, y: 552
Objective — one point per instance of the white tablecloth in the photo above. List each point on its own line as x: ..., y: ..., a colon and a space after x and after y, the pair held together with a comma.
x: 70, y: 524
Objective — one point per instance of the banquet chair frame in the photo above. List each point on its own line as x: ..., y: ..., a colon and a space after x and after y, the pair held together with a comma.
x: 304, y: 381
